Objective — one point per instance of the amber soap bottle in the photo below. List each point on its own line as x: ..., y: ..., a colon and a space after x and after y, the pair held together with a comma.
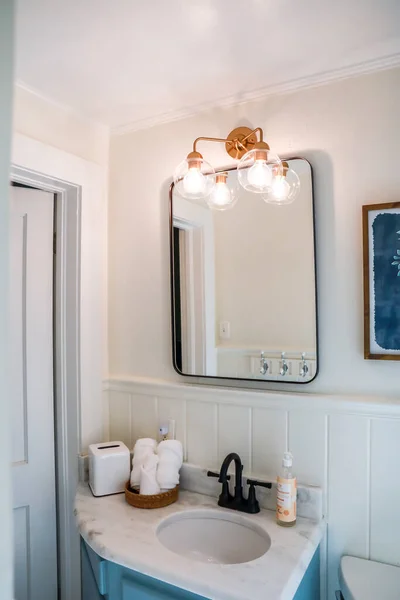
x: 286, y: 493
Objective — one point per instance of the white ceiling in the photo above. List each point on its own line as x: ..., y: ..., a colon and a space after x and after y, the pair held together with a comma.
x: 133, y: 63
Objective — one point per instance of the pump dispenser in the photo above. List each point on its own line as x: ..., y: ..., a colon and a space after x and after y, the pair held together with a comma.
x: 286, y: 493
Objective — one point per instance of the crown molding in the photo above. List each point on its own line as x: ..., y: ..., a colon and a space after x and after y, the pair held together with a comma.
x: 60, y: 105
x: 311, y: 81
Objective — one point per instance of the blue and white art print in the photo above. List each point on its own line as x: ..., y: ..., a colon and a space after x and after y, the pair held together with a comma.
x: 382, y: 280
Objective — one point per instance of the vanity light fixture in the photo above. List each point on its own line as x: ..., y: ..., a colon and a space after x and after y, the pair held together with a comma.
x: 259, y: 171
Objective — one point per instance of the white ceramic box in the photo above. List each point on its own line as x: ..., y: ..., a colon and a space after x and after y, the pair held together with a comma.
x: 109, y: 468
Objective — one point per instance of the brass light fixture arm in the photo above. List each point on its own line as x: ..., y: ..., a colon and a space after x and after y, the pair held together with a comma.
x: 257, y: 129
x: 239, y: 141
x: 207, y: 139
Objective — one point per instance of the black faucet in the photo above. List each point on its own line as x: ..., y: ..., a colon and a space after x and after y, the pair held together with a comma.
x: 237, y: 502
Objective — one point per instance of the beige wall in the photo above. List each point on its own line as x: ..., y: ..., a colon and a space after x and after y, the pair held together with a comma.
x: 264, y: 271
x: 348, y: 131
x: 57, y: 126
x: 57, y: 142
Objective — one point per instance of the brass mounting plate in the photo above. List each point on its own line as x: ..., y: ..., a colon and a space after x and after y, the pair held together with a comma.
x: 234, y: 149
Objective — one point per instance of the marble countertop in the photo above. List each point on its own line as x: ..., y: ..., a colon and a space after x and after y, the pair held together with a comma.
x: 127, y: 536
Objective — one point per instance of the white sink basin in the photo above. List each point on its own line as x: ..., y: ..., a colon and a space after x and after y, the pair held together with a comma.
x: 213, y: 536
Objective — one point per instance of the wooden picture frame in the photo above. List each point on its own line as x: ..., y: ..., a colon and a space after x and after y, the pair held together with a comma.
x: 381, y: 270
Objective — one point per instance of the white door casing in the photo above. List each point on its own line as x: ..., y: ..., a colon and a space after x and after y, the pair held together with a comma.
x: 81, y: 186
x: 31, y: 354
x: 80, y: 321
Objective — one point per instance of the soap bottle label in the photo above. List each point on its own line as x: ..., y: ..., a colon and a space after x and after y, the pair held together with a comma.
x: 286, y: 500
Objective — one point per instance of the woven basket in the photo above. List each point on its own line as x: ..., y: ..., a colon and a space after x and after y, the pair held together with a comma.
x: 155, y: 501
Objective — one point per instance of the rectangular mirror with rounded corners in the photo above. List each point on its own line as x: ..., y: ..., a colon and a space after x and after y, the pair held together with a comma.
x: 243, y: 286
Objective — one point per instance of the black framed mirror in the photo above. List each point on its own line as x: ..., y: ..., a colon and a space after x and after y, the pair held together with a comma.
x: 243, y: 286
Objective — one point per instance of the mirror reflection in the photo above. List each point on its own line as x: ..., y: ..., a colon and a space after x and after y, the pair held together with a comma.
x: 243, y: 285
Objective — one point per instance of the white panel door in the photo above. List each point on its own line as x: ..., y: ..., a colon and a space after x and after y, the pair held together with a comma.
x: 31, y: 353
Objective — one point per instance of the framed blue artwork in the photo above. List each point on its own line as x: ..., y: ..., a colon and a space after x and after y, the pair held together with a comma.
x: 381, y: 239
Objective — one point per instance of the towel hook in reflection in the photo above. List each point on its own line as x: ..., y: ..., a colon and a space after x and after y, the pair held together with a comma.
x: 284, y: 366
x: 263, y: 364
x: 304, y: 366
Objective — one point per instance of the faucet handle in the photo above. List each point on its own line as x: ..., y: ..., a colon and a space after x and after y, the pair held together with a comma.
x: 253, y: 505
x: 266, y: 484
x: 212, y: 474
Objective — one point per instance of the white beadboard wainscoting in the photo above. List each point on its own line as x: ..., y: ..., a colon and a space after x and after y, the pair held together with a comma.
x: 347, y: 445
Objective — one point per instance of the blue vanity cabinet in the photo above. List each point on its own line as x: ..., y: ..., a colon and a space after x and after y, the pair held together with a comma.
x: 104, y: 580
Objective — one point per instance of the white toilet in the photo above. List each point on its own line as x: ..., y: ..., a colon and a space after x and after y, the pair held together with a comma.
x: 362, y: 579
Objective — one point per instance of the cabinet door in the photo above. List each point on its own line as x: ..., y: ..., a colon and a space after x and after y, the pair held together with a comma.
x: 125, y: 584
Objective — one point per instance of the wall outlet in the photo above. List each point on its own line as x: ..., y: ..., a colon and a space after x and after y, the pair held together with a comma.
x: 166, y: 430
x: 163, y: 431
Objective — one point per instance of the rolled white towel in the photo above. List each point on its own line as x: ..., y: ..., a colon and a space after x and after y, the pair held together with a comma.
x: 148, y: 481
x: 174, y: 446
x: 145, y: 442
x: 144, y: 447
x: 170, y: 454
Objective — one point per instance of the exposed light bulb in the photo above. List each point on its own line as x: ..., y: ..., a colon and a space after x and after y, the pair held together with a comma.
x: 284, y: 188
x: 194, y: 181
x: 256, y: 169
x: 221, y: 195
x: 260, y: 174
x: 280, y: 188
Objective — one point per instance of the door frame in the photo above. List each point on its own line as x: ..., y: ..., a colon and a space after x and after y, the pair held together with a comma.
x: 67, y: 384
x: 193, y: 308
x: 197, y: 221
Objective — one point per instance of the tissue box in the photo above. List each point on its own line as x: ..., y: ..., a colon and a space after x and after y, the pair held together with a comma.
x: 109, y: 468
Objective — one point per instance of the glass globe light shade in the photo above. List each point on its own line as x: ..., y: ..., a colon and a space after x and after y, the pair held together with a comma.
x: 194, y: 178
x: 225, y: 193
x: 256, y: 168
x: 284, y: 188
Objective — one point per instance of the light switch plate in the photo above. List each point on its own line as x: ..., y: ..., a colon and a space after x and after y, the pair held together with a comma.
x: 225, y: 330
